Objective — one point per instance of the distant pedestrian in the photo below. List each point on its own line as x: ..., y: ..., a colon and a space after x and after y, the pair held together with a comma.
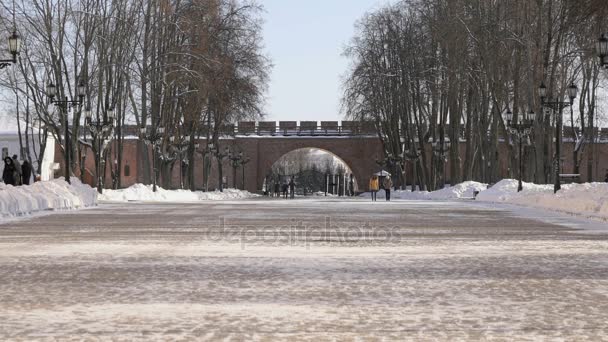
x: 606, y: 178
x: 26, y: 172
x: 17, y: 170
x: 8, y: 175
x: 284, y: 189
x: 292, y: 188
x: 387, y: 183
x: 374, y: 186
x: 277, y: 189
x: 351, y: 186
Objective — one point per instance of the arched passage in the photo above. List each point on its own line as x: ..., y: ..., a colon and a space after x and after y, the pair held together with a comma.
x: 314, y: 170
x: 359, y: 153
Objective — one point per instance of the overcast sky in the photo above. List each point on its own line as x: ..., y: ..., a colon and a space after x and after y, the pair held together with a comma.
x: 305, y: 39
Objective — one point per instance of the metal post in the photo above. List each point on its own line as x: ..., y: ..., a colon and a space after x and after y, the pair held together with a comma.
x: 243, y: 184
x: 154, y: 171
x: 99, y: 177
x: 558, y: 123
x: 520, y: 186
x: 234, y: 167
x: 64, y: 107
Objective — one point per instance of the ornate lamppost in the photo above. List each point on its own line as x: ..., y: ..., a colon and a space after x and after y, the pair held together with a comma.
x: 520, y: 129
x: 557, y: 108
x: 206, y: 153
x: 65, y: 105
x: 602, y: 50
x: 14, y: 47
x: 180, y: 148
x: 440, y: 150
x: 101, y: 133
x: 153, y: 139
x: 220, y: 159
x: 236, y: 160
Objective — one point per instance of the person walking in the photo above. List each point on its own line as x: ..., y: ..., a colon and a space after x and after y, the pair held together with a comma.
x: 8, y: 175
x: 17, y: 170
x: 277, y: 188
x: 351, y: 186
x: 292, y: 188
x: 387, y: 183
x: 26, y: 172
x: 606, y: 179
x: 374, y: 186
x: 284, y: 188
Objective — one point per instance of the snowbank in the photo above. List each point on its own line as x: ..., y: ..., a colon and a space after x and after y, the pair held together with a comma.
x: 589, y: 199
x: 463, y: 190
x: 144, y: 193
x: 52, y: 195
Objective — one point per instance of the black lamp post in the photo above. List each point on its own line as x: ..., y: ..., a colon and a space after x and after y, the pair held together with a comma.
x: 64, y: 105
x: 602, y: 50
x: 237, y: 160
x: 101, y: 133
x: 14, y: 47
x: 220, y: 160
x: 412, y: 156
x: 180, y: 148
x: 153, y: 139
x: 557, y: 108
x: 520, y: 129
x: 206, y: 153
x: 440, y: 149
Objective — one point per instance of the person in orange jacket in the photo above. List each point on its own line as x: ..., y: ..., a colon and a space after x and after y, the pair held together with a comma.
x: 374, y: 186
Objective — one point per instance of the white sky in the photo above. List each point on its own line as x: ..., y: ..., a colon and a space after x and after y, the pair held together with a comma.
x: 305, y: 40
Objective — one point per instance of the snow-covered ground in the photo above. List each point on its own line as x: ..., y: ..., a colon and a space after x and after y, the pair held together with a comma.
x: 145, y: 193
x: 463, y: 190
x: 43, y: 196
x: 588, y: 199
x: 352, y: 271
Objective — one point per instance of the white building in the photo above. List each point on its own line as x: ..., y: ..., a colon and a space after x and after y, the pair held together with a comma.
x: 9, y: 145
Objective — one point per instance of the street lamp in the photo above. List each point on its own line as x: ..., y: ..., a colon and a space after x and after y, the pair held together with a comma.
x: 602, y: 50
x: 155, y: 136
x: 520, y: 129
x: 206, y: 153
x: 65, y: 105
x: 220, y: 158
x: 440, y: 149
x: 557, y: 108
x: 236, y: 160
x: 101, y: 133
x: 180, y: 148
x: 412, y: 156
x: 14, y: 47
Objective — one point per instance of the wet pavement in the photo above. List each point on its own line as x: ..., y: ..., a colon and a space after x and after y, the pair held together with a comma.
x: 301, y: 270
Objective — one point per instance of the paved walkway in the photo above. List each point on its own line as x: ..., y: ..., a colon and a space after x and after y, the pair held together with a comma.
x: 300, y: 270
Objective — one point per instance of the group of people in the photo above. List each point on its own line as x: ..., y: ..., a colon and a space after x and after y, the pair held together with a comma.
x: 16, y: 173
x: 374, y: 187
x: 284, y: 189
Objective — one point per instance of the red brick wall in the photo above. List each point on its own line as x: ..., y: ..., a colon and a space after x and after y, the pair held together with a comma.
x: 359, y: 153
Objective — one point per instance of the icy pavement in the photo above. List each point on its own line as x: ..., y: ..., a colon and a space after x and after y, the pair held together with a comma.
x: 309, y: 270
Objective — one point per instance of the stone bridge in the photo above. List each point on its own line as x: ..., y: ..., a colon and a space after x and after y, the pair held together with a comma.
x: 356, y: 144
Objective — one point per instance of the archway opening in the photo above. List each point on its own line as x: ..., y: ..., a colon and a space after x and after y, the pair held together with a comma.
x: 315, y: 172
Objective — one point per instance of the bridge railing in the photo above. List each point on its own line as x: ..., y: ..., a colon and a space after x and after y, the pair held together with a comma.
x: 302, y: 128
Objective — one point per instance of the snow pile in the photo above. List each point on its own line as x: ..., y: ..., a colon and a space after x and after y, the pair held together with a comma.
x: 145, y: 193
x: 589, y: 199
x: 40, y: 196
x: 462, y: 190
